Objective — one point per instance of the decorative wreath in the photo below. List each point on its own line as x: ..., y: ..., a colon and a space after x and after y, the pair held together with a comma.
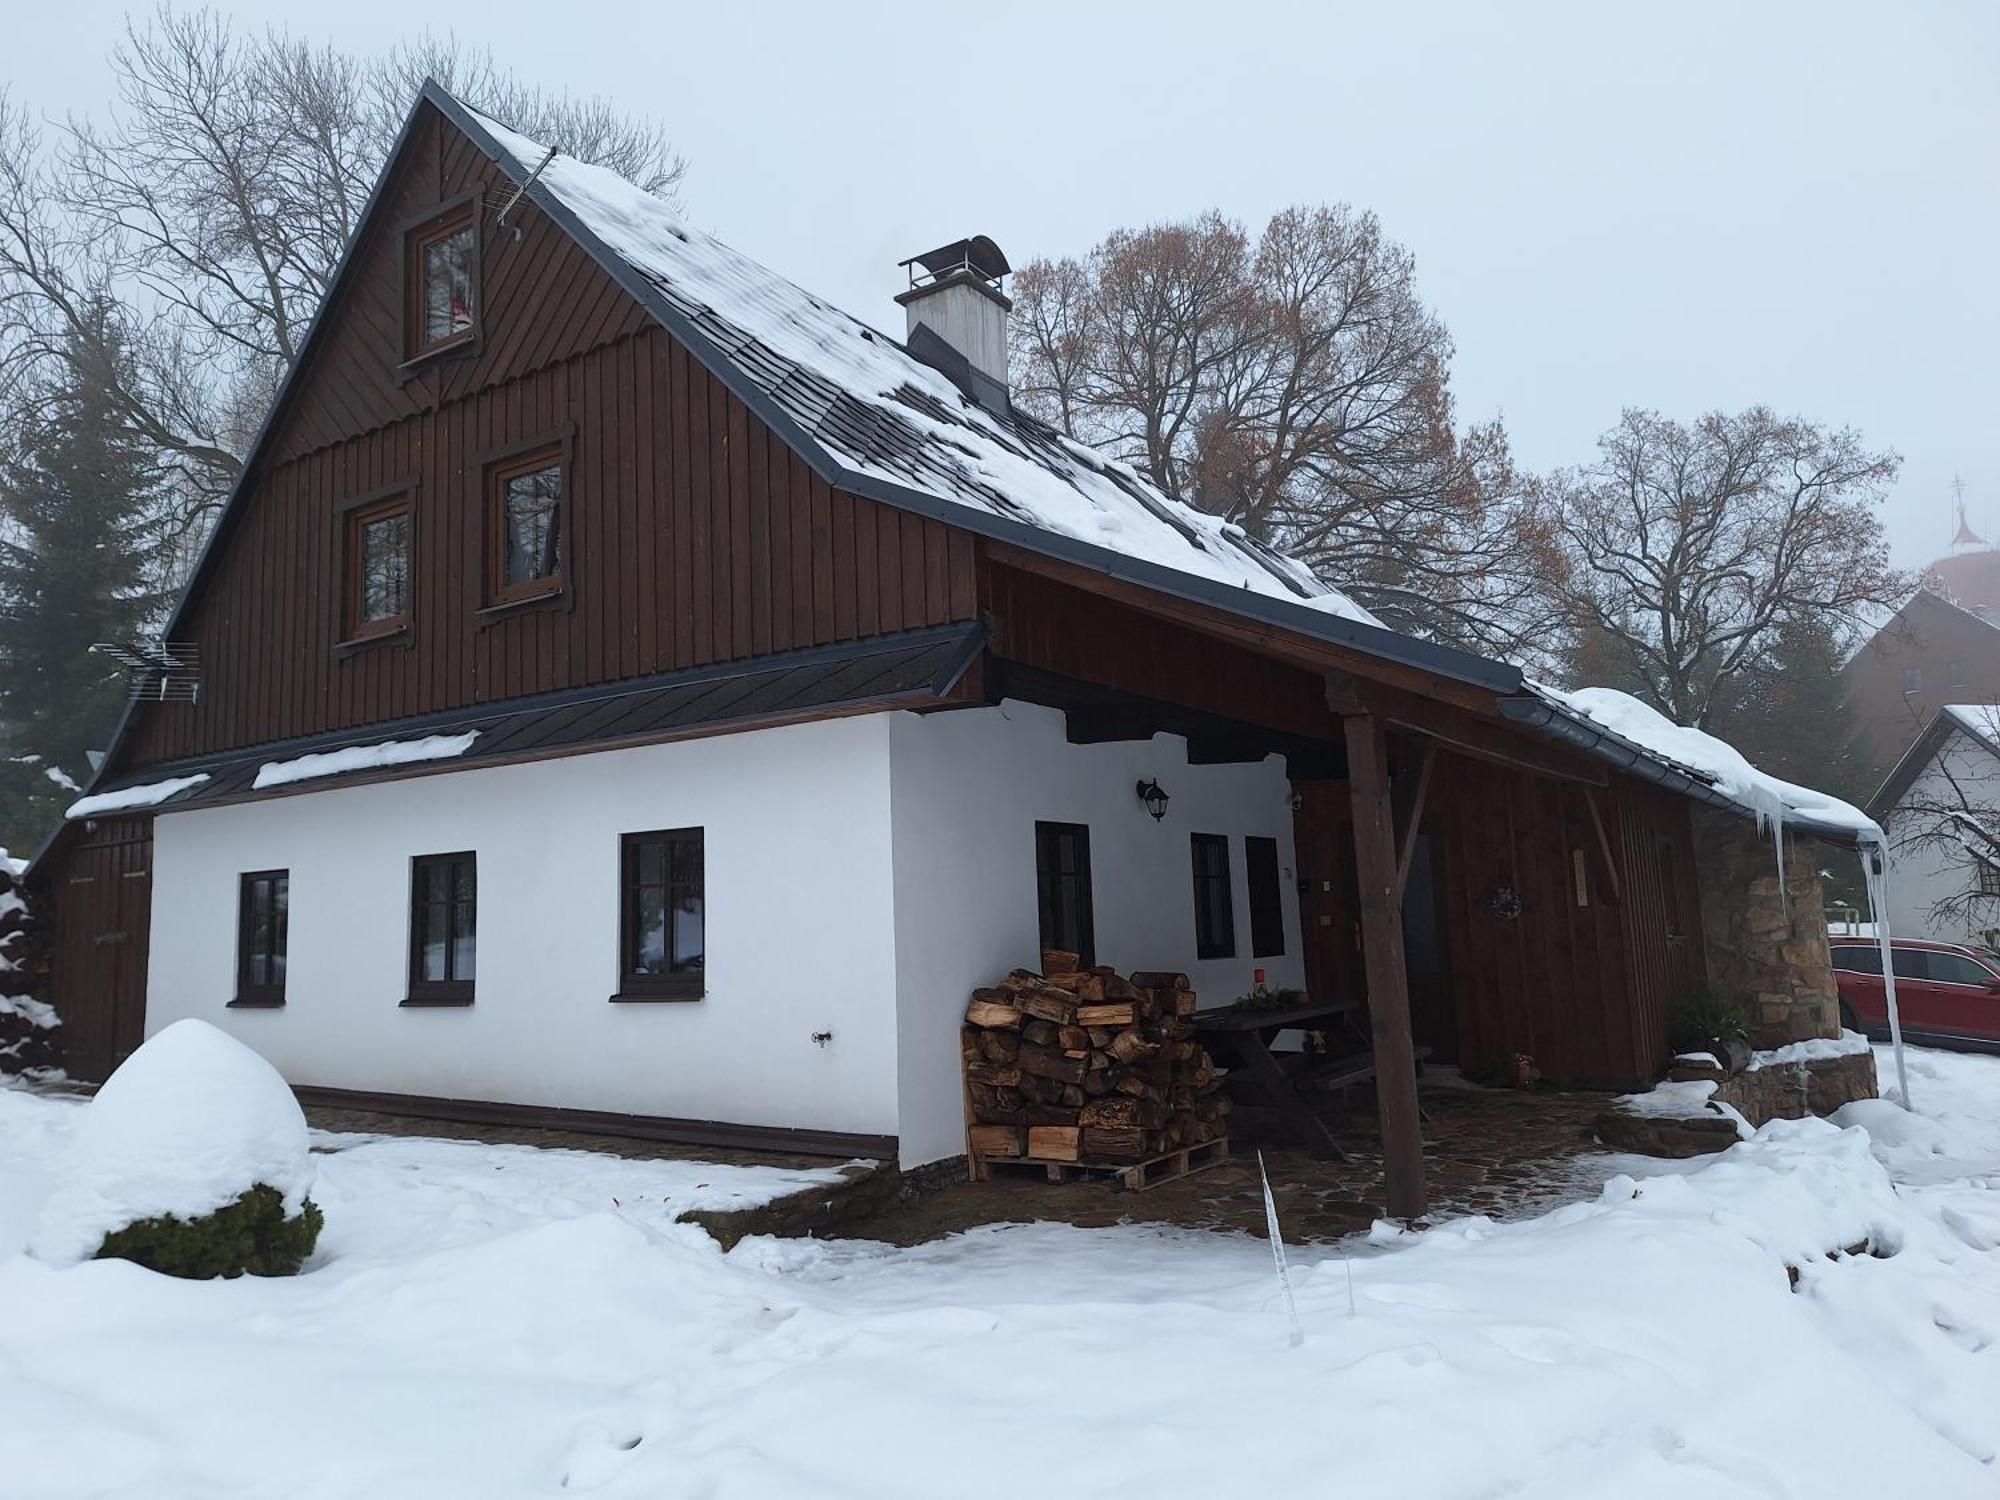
x: 1503, y: 904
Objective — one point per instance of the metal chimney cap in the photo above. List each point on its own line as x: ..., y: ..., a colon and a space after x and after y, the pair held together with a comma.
x: 977, y: 253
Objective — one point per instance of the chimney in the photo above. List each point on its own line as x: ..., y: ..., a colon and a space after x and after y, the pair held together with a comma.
x: 958, y: 316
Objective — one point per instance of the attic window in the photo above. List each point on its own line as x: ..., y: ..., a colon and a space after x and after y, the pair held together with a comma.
x: 527, y: 521
x: 442, y: 275
x: 376, y: 551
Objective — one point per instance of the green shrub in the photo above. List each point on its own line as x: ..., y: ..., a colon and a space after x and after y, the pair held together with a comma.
x: 252, y: 1234
x: 1708, y: 1021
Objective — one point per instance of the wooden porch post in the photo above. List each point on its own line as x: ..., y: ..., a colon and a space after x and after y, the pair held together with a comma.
x: 1376, y: 862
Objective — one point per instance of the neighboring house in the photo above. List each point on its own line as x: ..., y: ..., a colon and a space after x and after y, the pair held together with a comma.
x: 637, y: 693
x: 1940, y: 808
x: 1930, y: 653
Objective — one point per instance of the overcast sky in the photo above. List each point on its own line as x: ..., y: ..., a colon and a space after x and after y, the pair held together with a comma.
x: 1672, y: 205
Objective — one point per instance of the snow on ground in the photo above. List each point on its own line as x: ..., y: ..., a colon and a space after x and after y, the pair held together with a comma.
x: 494, y: 1322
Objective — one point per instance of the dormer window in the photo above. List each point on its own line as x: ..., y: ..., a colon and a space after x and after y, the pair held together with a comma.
x: 443, y: 280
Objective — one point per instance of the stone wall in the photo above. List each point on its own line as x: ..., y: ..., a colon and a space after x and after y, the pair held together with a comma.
x: 1765, y: 949
x: 1791, y: 1091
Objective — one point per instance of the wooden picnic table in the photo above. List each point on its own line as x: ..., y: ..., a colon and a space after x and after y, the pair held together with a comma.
x: 1243, y: 1039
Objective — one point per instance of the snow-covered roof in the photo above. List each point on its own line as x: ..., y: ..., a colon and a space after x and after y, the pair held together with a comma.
x: 1980, y: 720
x: 1705, y: 761
x: 881, y: 412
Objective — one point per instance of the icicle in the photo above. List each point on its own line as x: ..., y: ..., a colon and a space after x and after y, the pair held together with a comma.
x: 1778, y: 843
x: 1875, y: 868
x: 1278, y: 1253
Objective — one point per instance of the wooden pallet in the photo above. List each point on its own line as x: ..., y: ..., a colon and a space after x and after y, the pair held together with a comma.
x: 1133, y: 1176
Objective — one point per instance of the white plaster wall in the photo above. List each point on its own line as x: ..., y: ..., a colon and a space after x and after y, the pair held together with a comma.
x: 967, y: 790
x: 1921, y: 874
x: 799, y: 931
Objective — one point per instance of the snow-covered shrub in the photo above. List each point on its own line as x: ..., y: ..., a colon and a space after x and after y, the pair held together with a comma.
x: 192, y: 1159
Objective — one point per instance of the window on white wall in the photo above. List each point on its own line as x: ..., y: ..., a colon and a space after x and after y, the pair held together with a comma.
x: 1267, y: 909
x: 263, y: 911
x: 663, y: 918
x: 444, y: 928
x: 1062, y: 887
x: 1214, y: 910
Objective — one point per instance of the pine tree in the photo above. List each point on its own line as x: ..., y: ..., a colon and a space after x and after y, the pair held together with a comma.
x: 78, y: 504
x: 1790, y: 716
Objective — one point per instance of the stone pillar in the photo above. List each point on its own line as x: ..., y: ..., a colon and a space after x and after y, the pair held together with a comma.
x: 1767, y: 951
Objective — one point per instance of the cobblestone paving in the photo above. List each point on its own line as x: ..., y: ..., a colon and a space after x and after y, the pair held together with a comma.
x: 1487, y: 1151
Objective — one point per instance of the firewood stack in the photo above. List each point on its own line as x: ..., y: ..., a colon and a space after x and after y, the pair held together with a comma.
x: 1081, y: 1065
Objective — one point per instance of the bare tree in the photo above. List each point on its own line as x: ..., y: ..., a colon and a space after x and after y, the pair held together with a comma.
x: 209, y: 207
x: 1299, y: 387
x: 1687, y: 549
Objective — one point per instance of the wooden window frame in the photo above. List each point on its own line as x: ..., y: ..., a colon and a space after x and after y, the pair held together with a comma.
x: 1208, y: 944
x: 1267, y: 905
x: 349, y: 633
x: 454, y: 214
x: 496, y: 466
x: 429, y: 992
x: 1046, y: 831
x: 250, y: 995
x: 685, y: 984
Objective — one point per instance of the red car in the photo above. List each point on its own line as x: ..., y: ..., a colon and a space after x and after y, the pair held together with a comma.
x: 1942, y: 989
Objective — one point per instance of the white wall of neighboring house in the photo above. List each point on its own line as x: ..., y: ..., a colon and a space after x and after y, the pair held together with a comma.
x: 967, y: 790
x: 1922, y: 873
x: 799, y: 931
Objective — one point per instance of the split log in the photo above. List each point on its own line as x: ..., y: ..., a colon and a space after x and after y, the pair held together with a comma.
x: 1054, y: 1142
x: 1119, y: 1112
x: 1074, y: 1039
x: 1097, y: 1081
x: 1041, y: 1033
x: 1049, y: 1005
x: 996, y: 1140
x: 1046, y: 1062
x: 1159, y: 980
x: 993, y: 1073
x: 1050, y: 1114
x: 1111, y: 1013
x: 1130, y: 1046
x: 1113, y: 1145
x: 993, y: 1013
x: 1056, y: 961
x: 999, y: 1046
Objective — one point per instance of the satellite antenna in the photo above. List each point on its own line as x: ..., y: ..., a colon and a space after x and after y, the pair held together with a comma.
x: 158, y: 671
x: 501, y: 221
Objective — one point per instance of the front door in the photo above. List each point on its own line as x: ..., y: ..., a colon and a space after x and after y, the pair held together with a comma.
x: 103, y: 894
x: 1329, y: 891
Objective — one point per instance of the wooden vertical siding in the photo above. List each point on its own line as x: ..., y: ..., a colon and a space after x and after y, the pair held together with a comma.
x: 696, y: 535
x: 1582, y: 989
x: 100, y: 894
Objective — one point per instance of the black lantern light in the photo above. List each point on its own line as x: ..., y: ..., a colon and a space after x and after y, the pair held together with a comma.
x: 1155, y: 797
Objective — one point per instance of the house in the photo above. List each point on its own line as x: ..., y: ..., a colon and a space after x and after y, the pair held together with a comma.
x: 1940, y: 809
x: 634, y: 693
x: 1931, y: 652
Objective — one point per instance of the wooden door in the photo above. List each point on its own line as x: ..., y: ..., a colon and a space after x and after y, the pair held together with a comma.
x: 1426, y: 959
x: 1329, y: 891
x: 102, y: 889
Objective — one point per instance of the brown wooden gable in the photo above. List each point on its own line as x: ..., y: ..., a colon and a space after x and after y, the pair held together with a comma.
x: 697, y: 536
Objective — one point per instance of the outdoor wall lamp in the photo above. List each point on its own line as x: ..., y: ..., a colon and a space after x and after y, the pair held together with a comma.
x: 1154, y: 796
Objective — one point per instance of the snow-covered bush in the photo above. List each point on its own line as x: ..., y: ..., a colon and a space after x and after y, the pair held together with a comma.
x: 191, y: 1160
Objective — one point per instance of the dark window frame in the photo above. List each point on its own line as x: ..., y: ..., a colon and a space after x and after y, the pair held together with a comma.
x: 1048, y: 837
x: 1214, y: 896
x: 555, y: 448
x: 1265, y: 882
x: 249, y: 993
x: 447, y: 218
x: 350, y: 632
x: 449, y: 990
x: 678, y: 984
